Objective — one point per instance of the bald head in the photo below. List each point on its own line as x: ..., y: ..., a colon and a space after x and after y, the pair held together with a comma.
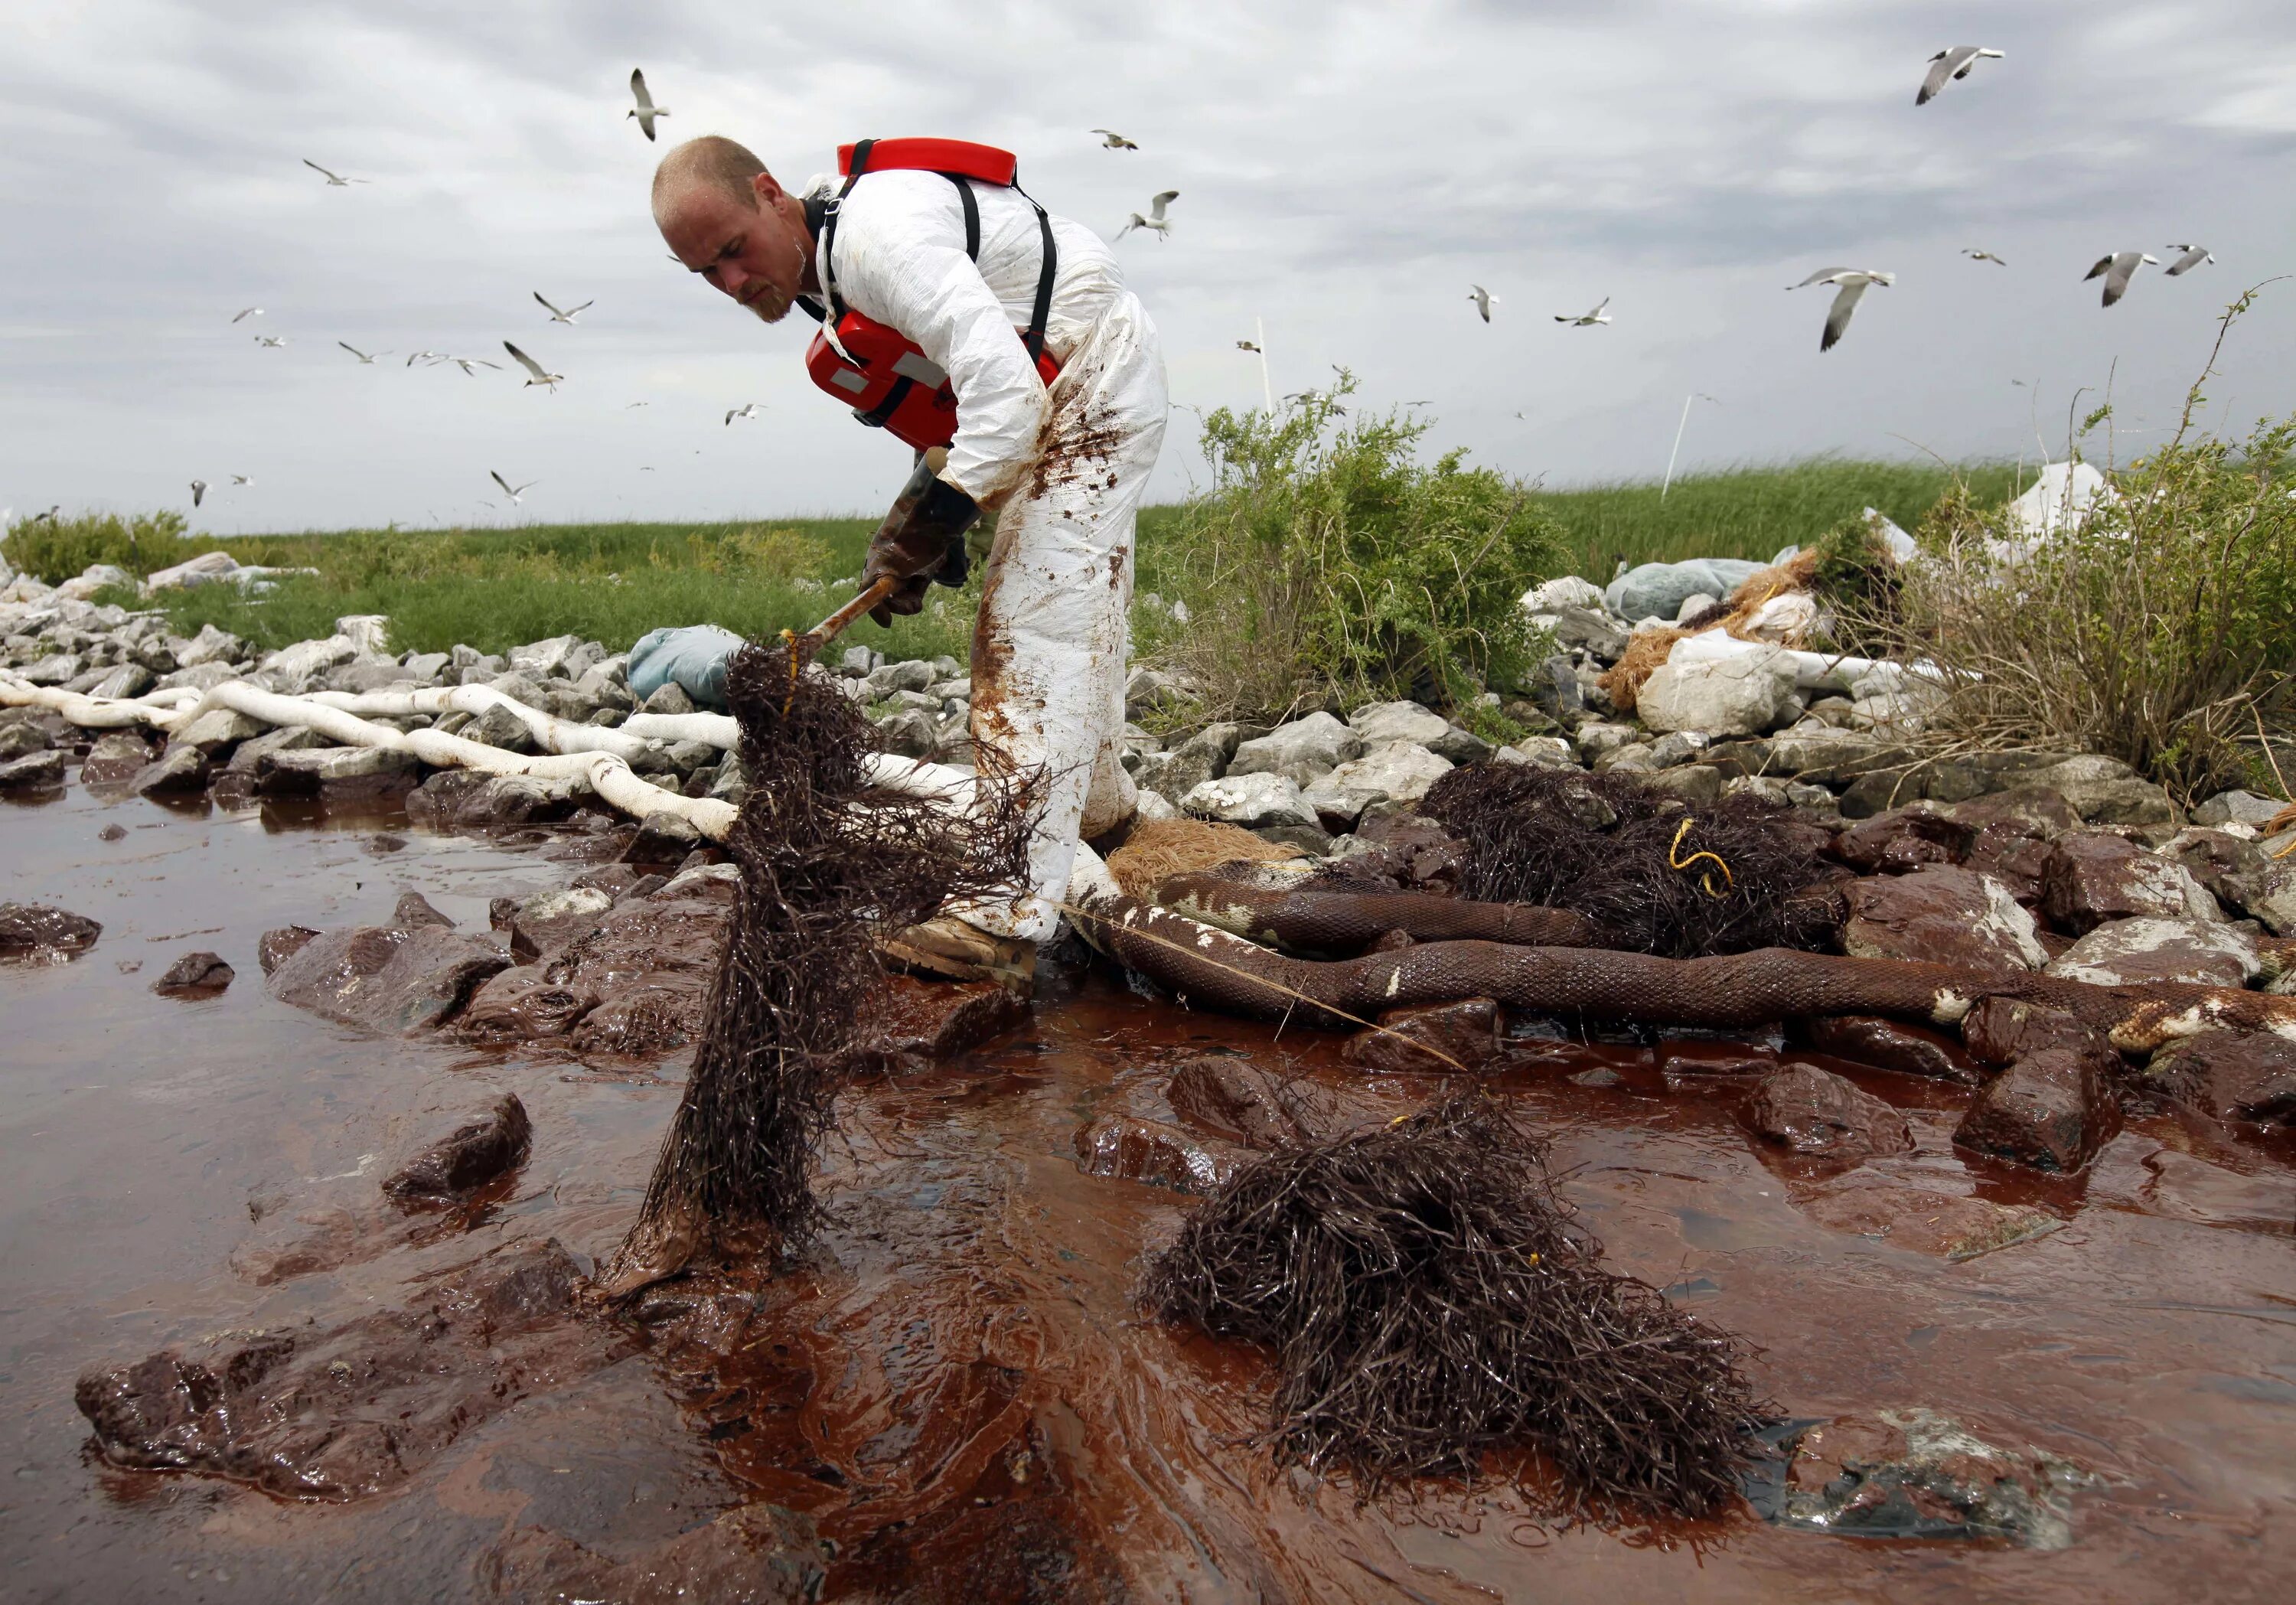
x: 726, y: 218
x: 711, y: 162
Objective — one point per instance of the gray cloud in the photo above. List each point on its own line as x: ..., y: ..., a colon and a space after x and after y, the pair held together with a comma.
x: 1345, y: 172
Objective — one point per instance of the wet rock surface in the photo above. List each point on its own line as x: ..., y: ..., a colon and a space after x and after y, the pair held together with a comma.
x: 1916, y: 1473
x: 2230, y: 1076
x: 755, y: 1554
x: 349, y: 1411
x: 2204, y: 952
x: 33, y: 931
x: 2093, y: 879
x: 386, y: 978
x: 1133, y: 1148
x: 1466, y: 1033
x: 1237, y: 1102
x: 203, y: 974
x: 1891, y: 1044
x: 1940, y: 915
x: 928, y: 1021
x: 2000, y: 1030
x: 1808, y: 1110
x: 1950, y: 1226
x: 475, y: 1155
x: 2052, y: 1110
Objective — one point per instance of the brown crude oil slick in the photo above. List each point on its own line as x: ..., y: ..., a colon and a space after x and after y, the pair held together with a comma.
x: 958, y: 1386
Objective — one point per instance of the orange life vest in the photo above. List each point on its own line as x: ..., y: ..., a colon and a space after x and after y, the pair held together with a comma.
x: 884, y: 376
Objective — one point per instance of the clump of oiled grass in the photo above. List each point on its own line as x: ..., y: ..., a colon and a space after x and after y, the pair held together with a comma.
x: 1428, y: 1298
x: 825, y: 861
x: 1655, y: 876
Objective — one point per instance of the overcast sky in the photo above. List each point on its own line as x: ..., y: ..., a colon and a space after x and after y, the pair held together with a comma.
x: 1345, y: 172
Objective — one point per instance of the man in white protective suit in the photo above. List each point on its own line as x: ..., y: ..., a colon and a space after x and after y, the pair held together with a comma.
x: 955, y: 308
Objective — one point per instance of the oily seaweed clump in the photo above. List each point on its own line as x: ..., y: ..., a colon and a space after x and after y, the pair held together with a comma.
x: 1743, y: 874
x: 1428, y: 1298
x: 825, y: 861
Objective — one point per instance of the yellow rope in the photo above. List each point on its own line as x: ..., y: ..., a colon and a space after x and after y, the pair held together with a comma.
x: 1675, y: 861
x: 788, y: 643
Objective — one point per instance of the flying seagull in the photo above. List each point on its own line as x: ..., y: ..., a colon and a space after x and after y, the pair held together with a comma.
x: 469, y: 365
x: 1484, y: 301
x: 242, y: 479
x: 1955, y: 61
x: 645, y: 110
x: 1111, y: 140
x: 368, y: 357
x: 270, y: 339
x: 247, y: 312
x: 1853, y: 282
x: 1586, y: 320
x: 335, y: 181
x: 1982, y: 256
x: 198, y: 489
x: 541, y: 376
x: 1247, y: 345
x: 2118, y: 268
x: 749, y: 411
x: 1155, y: 218
x: 512, y: 492
x: 2194, y: 257
x: 567, y: 317
x: 635, y: 405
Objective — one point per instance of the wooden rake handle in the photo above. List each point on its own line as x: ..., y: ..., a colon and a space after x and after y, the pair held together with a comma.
x: 804, y: 648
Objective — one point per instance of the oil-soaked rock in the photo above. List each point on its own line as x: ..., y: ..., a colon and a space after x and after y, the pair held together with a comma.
x: 927, y: 1021
x: 414, y: 909
x: 347, y: 1413
x: 386, y: 978
x: 1917, y: 1474
x: 543, y: 924
x: 34, y: 931
x: 465, y: 800
x: 203, y: 973
x: 1949, y: 1225
x: 2230, y: 1075
x: 647, y: 1020
x: 19, y: 736
x: 181, y: 771
x: 1940, y: 915
x: 663, y: 840
x: 2001, y: 1030
x: 1136, y: 1148
x: 275, y: 948
x: 2051, y: 1110
x: 337, y: 774
x: 1237, y: 1102
x: 2094, y: 877
x: 1466, y: 1031
x: 1903, y: 840
x: 524, y: 1004
x: 1814, y: 1111
x: 113, y: 832
x: 33, y: 771
x: 2205, y: 953
x: 755, y: 1554
x: 116, y: 758
x: 467, y: 1158
x: 1890, y: 1044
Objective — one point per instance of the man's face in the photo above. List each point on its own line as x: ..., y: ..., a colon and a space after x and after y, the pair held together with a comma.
x: 756, y: 253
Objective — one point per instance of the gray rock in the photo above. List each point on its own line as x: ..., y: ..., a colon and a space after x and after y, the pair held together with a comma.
x: 1566, y: 591
x: 2205, y: 953
x: 1594, y: 633
x: 308, y: 658
x: 1395, y: 772
x: 33, y: 771
x: 215, y: 729
x: 662, y: 838
x: 1696, y: 784
x: 547, y: 659
x: 1634, y: 756
x: 1301, y: 750
x: 116, y: 757
x: 1546, y: 752
x: 889, y: 677
x: 1147, y: 688
x: 1461, y: 745
x: 1308, y: 838
x: 200, y: 677
x: 385, y: 979
x: 178, y: 771
x: 2270, y: 894
x: 249, y: 756
x: 1202, y: 756
x: 211, y: 645
x: 1379, y: 722
x: 365, y: 675
x: 1678, y: 747
x: 426, y: 668
x: 498, y: 727
x: 1596, y: 739
x: 58, y: 668
x: 858, y: 661
x: 129, y: 680
x: 1744, y: 695
x: 669, y: 697
x: 910, y: 734
x: 337, y: 772
x: 1250, y: 801
x: 2104, y: 790
x: 1941, y: 915
x: 2236, y: 808
x: 22, y: 736
x: 481, y: 670
x: 689, y: 756
x: 1822, y: 755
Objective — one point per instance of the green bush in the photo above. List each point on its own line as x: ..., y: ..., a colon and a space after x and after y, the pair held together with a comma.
x: 1327, y: 566
x: 2157, y: 631
x: 58, y: 549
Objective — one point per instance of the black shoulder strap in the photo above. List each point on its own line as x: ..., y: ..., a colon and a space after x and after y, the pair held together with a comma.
x: 1033, y: 338
x: 828, y: 234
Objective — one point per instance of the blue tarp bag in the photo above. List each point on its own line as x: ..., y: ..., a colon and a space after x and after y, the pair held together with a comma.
x: 694, y: 656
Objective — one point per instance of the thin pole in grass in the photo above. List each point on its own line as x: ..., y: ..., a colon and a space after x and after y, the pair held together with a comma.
x: 1667, y: 484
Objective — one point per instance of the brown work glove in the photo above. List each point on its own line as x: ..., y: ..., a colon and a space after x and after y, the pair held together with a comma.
x: 921, y: 543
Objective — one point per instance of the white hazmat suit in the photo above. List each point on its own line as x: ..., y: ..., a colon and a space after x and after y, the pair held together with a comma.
x: 1064, y: 468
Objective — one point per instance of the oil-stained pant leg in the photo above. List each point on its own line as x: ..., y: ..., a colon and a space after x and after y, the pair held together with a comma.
x: 1049, y: 649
